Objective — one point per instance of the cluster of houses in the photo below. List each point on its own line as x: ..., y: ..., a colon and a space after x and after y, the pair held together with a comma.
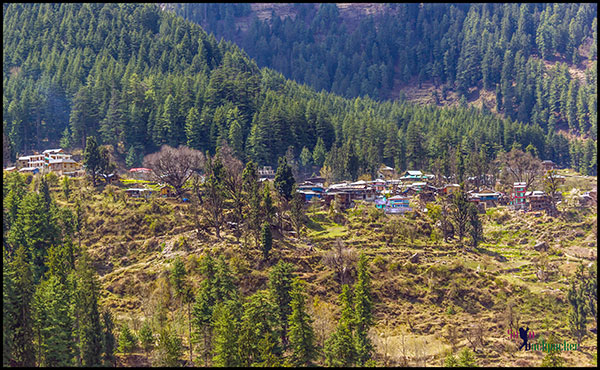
x: 414, y: 189
x: 51, y: 160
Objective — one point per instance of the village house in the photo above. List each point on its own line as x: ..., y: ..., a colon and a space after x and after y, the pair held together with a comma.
x: 539, y: 201
x: 51, y: 160
x: 398, y: 204
x: 309, y: 190
x: 548, y: 165
x: 487, y: 197
x: 413, y: 176
x: 266, y: 172
x: 449, y: 189
x: 140, y: 173
x: 378, y: 185
x: 519, y: 195
x: 138, y: 192
x: 386, y: 172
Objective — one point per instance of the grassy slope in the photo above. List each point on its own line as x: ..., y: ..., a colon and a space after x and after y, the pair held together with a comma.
x: 135, y: 241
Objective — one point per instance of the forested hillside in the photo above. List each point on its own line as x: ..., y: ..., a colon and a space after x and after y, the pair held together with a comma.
x: 137, y: 77
x: 538, y: 60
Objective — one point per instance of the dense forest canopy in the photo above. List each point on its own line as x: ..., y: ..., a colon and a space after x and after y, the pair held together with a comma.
x: 500, y: 48
x: 137, y: 78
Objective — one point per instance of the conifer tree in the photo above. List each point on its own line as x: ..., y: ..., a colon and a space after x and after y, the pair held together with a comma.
x: 145, y: 336
x: 108, y: 342
x: 168, y: 349
x: 258, y: 319
x: 87, y: 312
x: 253, y: 209
x: 54, y: 322
x: 363, y: 310
x: 226, y: 326
x: 319, y: 152
x: 280, y: 286
x: 127, y: 340
x: 300, y: 333
x: 475, y: 226
x: 340, y: 347
x: 577, y: 313
x: 266, y: 242
x: 204, y: 305
x: 284, y: 179
x: 267, y: 205
x: 22, y: 349
x: 92, y: 158
x: 178, y: 276
x: 8, y: 312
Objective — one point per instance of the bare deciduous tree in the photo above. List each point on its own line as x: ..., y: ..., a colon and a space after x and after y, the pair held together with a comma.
x: 551, y: 185
x: 518, y: 166
x: 233, y: 183
x: 174, y: 166
x: 341, y: 259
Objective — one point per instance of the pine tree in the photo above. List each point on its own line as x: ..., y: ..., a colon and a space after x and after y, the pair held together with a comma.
x: 178, y: 276
x: 577, y: 313
x: 87, y: 313
x: 22, y: 353
x: 168, y: 349
x: 363, y: 310
x: 460, y: 212
x: 108, y: 343
x: 226, y: 326
x: 340, y: 347
x: 54, y: 322
x: 284, y: 179
x: 194, y: 130
x: 204, y: 305
x: 92, y: 159
x: 280, y: 286
x: 266, y: 242
x: 127, y: 340
x: 258, y: 319
x: 300, y: 333
x: 251, y: 191
x: 475, y: 225
x: 145, y: 336
x: 8, y: 309
x: 319, y: 152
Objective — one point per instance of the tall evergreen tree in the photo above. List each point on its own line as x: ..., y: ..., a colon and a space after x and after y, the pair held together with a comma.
x: 363, y: 310
x: 87, y: 312
x: 226, y: 326
x: 280, y: 286
x: 284, y: 179
x: 108, y: 342
x: 300, y: 333
x: 258, y: 319
x: 340, y: 347
x: 21, y: 330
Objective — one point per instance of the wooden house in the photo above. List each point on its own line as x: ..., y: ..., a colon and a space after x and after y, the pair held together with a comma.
x: 140, y: 173
x: 548, y: 165
x: 539, y: 201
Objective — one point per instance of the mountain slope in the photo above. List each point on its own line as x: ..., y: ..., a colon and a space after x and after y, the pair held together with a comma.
x: 464, y: 50
x: 138, y: 78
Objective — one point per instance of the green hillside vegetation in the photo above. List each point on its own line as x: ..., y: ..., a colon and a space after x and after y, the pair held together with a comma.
x: 538, y: 61
x: 137, y: 78
x: 430, y: 298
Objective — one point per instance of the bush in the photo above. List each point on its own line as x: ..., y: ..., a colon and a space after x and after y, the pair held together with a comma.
x: 466, y: 358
